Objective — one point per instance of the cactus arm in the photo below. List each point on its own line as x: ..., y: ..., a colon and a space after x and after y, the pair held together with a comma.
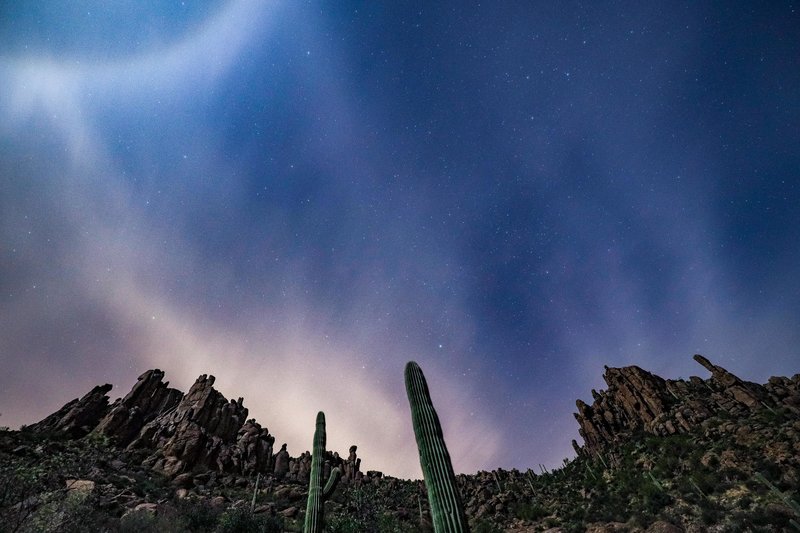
x: 447, y: 511
x: 333, y: 480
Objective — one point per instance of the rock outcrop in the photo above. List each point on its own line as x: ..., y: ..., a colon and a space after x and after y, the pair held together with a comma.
x: 281, y: 462
x: 203, y: 430
x: 638, y: 401
x: 78, y: 417
x: 195, y: 432
x: 352, y: 466
x: 149, y: 398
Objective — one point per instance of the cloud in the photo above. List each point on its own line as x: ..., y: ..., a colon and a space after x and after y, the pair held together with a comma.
x: 117, y: 302
x: 253, y: 202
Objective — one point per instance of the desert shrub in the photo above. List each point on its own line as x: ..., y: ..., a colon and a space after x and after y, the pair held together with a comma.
x: 67, y: 513
x: 20, y: 487
x: 769, y: 469
x: 666, y: 465
x: 198, y: 516
x: 365, y: 510
x: 382, y: 524
x: 343, y: 524
x: 387, y: 523
x: 573, y: 513
x: 32, y: 489
x: 551, y: 522
x: 710, y: 513
x: 530, y: 511
x: 167, y: 520
x: 152, y: 487
x: 679, y: 444
x: 708, y: 481
x: 772, y: 514
x: 241, y: 520
x: 137, y: 521
x: 713, y: 461
x: 731, y: 474
x: 654, y: 499
x: 360, y: 513
x: 484, y: 526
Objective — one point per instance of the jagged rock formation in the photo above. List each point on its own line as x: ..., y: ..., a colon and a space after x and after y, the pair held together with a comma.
x: 638, y: 401
x: 352, y: 465
x: 281, y: 462
x: 198, y: 431
x: 149, y: 398
x: 203, y: 430
x: 78, y: 417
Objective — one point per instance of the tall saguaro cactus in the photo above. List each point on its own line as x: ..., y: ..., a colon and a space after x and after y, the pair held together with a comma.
x: 447, y: 511
x: 315, y: 508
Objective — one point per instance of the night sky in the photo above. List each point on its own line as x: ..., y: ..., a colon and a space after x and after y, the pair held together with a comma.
x: 300, y: 197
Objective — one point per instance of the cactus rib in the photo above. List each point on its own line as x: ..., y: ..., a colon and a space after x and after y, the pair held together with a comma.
x: 447, y: 511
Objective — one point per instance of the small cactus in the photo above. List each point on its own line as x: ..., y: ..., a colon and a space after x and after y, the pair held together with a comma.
x: 654, y: 480
x: 447, y: 511
x: 315, y: 508
x: 498, y: 480
x: 530, y: 476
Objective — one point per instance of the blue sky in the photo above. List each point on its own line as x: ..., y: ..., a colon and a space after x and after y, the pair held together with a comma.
x: 300, y: 197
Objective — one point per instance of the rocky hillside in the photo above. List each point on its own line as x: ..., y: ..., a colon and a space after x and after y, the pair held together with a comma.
x: 637, y: 401
x: 199, y: 431
x: 715, y: 454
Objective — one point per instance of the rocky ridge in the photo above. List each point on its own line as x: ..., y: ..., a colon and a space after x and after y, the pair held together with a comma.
x: 638, y: 401
x: 200, y: 431
x: 716, y: 454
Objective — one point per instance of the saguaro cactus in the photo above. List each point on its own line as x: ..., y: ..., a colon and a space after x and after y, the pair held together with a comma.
x: 447, y: 511
x: 315, y: 508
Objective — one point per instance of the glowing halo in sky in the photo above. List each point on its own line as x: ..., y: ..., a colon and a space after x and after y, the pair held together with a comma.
x: 198, y: 59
